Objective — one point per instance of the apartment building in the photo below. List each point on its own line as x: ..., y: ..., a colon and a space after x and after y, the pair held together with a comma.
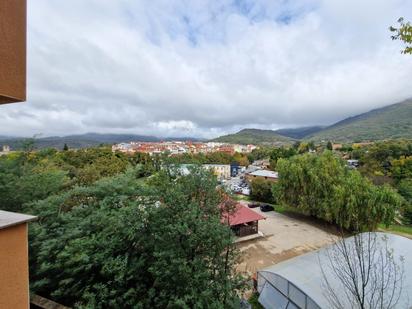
x: 14, y: 271
x: 14, y: 264
x: 12, y: 51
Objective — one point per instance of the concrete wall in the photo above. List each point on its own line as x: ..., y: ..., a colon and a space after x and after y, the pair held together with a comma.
x: 14, y: 273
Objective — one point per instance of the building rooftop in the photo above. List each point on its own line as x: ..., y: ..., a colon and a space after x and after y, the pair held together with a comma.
x: 265, y: 173
x: 241, y: 215
x: 8, y: 218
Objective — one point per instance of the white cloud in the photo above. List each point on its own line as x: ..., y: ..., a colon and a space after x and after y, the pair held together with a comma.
x: 201, y: 68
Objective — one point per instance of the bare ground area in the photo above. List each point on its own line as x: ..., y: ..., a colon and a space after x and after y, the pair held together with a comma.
x: 285, y: 237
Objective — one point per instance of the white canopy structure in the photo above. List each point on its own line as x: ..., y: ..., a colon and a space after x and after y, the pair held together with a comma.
x: 299, y: 282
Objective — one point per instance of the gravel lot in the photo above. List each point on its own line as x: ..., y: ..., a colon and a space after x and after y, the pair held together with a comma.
x: 285, y: 237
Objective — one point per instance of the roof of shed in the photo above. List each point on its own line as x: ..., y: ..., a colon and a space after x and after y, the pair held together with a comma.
x: 265, y: 173
x: 241, y: 215
x: 8, y: 219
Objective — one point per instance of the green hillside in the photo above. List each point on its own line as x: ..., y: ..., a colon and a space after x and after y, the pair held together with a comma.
x: 393, y: 121
x: 301, y: 132
x: 254, y: 136
x: 83, y: 140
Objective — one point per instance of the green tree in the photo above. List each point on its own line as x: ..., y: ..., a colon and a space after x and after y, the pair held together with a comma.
x: 65, y: 147
x: 276, y: 191
x: 329, y: 146
x: 115, y: 244
x: 323, y: 187
x: 402, y: 168
x: 281, y: 152
x: 261, y: 190
x: 403, y: 33
x: 405, y: 189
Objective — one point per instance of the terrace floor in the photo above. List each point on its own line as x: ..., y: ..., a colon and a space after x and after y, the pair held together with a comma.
x: 284, y: 238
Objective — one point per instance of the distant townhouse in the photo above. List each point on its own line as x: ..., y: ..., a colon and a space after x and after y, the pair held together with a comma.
x: 179, y: 147
x: 5, y: 150
x: 14, y: 261
x: 122, y: 147
x: 226, y: 149
x: 264, y: 163
x: 336, y: 146
x: 222, y: 171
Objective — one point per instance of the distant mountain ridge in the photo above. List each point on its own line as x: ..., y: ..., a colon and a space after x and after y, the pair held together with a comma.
x: 301, y: 132
x: 254, y: 136
x: 85, y: 140
x: 389, y: 122
x: 393, y: 121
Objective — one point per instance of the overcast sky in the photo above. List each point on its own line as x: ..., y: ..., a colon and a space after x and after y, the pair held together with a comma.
x: 203, y: 68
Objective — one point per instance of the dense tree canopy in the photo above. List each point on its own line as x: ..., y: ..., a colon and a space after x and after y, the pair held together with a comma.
x: 30, y: 175
x: 118, y: 244
x: 322, y: 186
x: 261, y: 190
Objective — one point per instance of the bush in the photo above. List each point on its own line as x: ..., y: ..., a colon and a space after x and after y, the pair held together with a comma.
x: 276, y: 193
x: 261, y: 190
x: 405, y: 189
x: 407, y: 215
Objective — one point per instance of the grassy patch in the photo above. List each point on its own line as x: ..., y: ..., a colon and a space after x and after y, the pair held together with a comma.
x: 240, y: 197
x: 284, y: 209
x: 397, y: 229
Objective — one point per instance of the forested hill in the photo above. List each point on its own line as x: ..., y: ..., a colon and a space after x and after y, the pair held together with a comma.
x: 393, y: 121
x: 301, y: 132
x: 390, y: 122
x: 254, y: 136
x: 82, y: 141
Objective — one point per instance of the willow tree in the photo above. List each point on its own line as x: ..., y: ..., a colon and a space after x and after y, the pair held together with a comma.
x: 323, y: 187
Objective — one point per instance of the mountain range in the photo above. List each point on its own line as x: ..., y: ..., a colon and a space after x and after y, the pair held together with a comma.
x: 390, y: 122
x: 85, y: 140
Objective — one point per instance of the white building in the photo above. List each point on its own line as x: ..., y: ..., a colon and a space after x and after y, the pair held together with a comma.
x: 222, y: 171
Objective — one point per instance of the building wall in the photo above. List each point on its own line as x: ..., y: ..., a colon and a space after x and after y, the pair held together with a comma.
x: 250, y: 178
x: 222, y: 171
x: 12, y: 51
x: 14, y: 273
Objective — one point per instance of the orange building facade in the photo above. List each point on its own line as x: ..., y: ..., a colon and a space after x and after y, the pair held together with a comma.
x: 12, y: 51
x: 14, y: 262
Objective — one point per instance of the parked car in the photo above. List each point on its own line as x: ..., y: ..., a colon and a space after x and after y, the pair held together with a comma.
x: 253, y: 205
x: 266, y: 208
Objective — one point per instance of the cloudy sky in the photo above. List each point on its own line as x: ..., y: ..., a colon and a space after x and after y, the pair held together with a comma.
x: 202, y: 68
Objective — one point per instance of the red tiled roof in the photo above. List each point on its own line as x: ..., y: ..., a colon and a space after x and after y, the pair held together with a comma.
x: 242, y: 214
